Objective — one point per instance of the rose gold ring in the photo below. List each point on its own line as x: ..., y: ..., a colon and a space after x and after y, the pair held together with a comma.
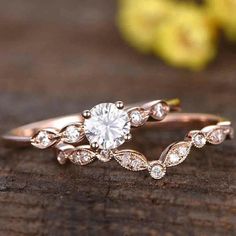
x: 97, y: 133
x: 73, y: 129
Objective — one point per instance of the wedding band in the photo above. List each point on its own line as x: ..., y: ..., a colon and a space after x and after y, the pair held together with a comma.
x: 215, y: 132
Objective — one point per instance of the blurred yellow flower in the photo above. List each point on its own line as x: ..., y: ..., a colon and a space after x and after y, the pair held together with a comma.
x: 187, y: 39
x: 139, y: 19
x: 224, y: 12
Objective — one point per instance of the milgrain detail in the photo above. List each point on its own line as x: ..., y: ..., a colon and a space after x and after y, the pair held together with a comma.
x: 70, y: 134
x: 126, y: 117
x: 107, y: 126
x: 173, y: 155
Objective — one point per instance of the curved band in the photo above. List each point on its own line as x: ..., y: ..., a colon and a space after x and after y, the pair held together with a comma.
x: 215, y: 130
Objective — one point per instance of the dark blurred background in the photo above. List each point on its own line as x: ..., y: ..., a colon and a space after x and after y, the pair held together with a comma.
x: 60, y: 57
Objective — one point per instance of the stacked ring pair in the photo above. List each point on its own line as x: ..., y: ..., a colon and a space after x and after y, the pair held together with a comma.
x: 99, y: 132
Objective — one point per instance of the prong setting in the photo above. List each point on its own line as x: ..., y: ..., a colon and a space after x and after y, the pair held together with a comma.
x: 107, y: 126
x: 86, y: 114
x: 128, y: 137
x: 94, y: 145
x: 119, y: 104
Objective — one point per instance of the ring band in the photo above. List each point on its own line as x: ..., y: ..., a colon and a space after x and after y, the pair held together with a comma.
x: 67, y: 132
x: 215, y: 132
x: 138, y: 113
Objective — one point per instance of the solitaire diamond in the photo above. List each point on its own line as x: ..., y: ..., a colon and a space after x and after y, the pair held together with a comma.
x: 107, y: 126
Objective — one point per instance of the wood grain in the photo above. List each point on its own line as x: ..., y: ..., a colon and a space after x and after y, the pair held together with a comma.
x: 60, y: 57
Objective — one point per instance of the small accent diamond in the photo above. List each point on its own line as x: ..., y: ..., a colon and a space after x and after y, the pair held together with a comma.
x: 199, y: 140
x: 71, y: 134
x: 62, y: 157
x: 136, y: 164
x: 136, y: 118
x: 160, y: 110
x: 84, y: 157
x: 105, y: 155
x: 173, y: 157
x: 183, y: 150
x: 157, y: 170
x: 43, y: 138
x: 126, y: 159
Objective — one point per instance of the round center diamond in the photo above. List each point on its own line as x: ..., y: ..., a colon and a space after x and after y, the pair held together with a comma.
x: 107, y: 126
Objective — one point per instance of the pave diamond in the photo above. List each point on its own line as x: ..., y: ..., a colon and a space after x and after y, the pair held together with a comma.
x: 107, y: 126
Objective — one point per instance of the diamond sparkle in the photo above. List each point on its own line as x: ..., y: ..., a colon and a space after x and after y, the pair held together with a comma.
x: 160, y: 110
x: 199, y: 140
x: 157, y: 170
x: 72, y: 134
x: 44, y: 139
x: 107, y: 126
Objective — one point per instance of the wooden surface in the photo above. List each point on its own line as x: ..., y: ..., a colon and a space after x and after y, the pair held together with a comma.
x: 60, y: 57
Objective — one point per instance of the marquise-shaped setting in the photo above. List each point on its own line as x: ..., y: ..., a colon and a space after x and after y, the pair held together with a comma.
x: 176, y: 153
x: 131, y: 160
x: 72, y: 133
x: 160, y: 110
x: 138, y: 116
x: 82, y: 155
x: 45, y: 138
x: 216, y: 136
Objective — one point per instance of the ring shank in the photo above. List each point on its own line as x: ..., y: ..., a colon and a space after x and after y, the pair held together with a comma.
x: 21, y: 136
